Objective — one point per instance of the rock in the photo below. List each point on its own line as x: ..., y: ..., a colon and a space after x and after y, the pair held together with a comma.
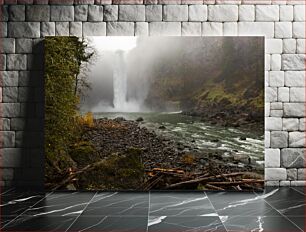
x: 242, y: 138
x: 214, y: 140
x: 140, y: 119
x: 119, y: 119
x: 162, y: 127
x: 202, y: 161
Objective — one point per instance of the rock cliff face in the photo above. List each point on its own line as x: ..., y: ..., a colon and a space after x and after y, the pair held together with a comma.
x: 212, y: 77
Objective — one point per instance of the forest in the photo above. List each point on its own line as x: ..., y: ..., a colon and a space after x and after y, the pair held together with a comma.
x: 199, y: 124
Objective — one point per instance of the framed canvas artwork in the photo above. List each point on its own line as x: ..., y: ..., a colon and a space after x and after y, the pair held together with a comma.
x: 154, y: 113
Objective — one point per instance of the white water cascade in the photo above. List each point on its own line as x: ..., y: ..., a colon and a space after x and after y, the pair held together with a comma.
x: 120, y: 81
x: 120, y: 102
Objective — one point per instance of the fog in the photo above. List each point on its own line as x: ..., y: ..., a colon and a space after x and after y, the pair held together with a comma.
x: 138, y: 74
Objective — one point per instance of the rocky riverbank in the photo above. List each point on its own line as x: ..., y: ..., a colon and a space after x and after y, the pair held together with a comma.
x: 115, y: 136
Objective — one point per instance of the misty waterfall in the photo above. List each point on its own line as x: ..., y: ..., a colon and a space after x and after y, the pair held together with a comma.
x: 120, y: 81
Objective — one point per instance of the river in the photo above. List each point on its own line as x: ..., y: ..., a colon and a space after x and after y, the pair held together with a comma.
x: 183, y: 128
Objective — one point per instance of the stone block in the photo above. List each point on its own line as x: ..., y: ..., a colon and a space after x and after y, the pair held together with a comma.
x: 6, y: 124
x: 62, y: 28
x: 284, y: 183
x: 197, y: 13
x: 62, y: 13
x: 267, y: 13
x: 296, y: 139
x: 279, y: 139
x: 175, y: 13
x: 300, y: 47
x: 301, y: 174
x: 17, y: 13
x: 294, y: 109
x: 212, y: 29
x: 267, y: 139
x: 256, y: 29
x: 8, y: 139
x: 267, y: 109
x: 273, y: 46
x: 94, y: 29
x: 299, y: 13
x: 276, y: 113
x: 276, y: 105
x: 275, y: 174
x: 141, y: 29
x: 267, y: 62
x: 295, y: 78
x: 9, y: 94
x: 230, y: 29
x: 297, y: 183
x: 47, y: 29
x: 302, y: 125
x: 4, y: 13
x: 12, y: 158
x: 277, y: 79
x: 24, y: 29
x: 38, y: 13
x: 131, y: 13
x: 271, y: 94
x: 11, y: 110
x: 286, y: 13
x: 16, y: 62
x: 120, y: 29
x: 223, y: 13
x: 273, y: 123
x: 272, y: 158
x: 110, y: 13
x: 293, y: 158
x: 154, y: 13
x: 297, y: 94
x: 2, y: 62
x: 292, y: 174
x: 8, y: 45
x: 290, y: 124
x: 18, y: 124
x: 246, y: 13
x: 298, y: 30
x: 75, y: 29
x: 95, y: 13
x: 289, y: 46
x: 276, y: 62
x: 191, y: 29
x: 24, y: 45
x: 164, y: 28
x: 9, y: 78
x: 80, y: 13
x: 283, y: 94
x: 283, y: 30
x: 293, y: 61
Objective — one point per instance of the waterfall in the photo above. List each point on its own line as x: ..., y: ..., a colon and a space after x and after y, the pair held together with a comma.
x: 120, y: 102
x: 120, y: 81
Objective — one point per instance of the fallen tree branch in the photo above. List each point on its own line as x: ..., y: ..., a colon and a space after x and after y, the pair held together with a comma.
x: 236, y: 182
x: 214, y: 187
x: 87, y: 168
x: 198, y: 180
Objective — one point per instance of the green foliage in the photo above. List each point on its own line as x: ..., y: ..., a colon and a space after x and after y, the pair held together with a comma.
x: 63, y: 59
x: 81, y: 151
x: 119, y: 171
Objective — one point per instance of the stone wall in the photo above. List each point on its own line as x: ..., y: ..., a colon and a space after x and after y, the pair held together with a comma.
x: 25, y: 22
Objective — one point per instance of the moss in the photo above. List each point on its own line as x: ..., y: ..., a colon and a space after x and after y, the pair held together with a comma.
x: 119, y: 171
x: 81, y: 151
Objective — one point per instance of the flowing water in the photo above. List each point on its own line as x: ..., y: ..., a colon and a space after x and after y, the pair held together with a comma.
x: 184, y: 128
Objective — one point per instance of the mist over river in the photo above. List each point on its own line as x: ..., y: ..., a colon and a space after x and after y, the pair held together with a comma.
x: 200, y: 135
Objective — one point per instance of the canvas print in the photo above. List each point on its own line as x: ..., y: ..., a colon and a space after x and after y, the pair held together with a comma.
x: 154, y: 113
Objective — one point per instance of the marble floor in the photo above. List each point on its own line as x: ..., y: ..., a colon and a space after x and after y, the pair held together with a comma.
x: 274, y: 210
